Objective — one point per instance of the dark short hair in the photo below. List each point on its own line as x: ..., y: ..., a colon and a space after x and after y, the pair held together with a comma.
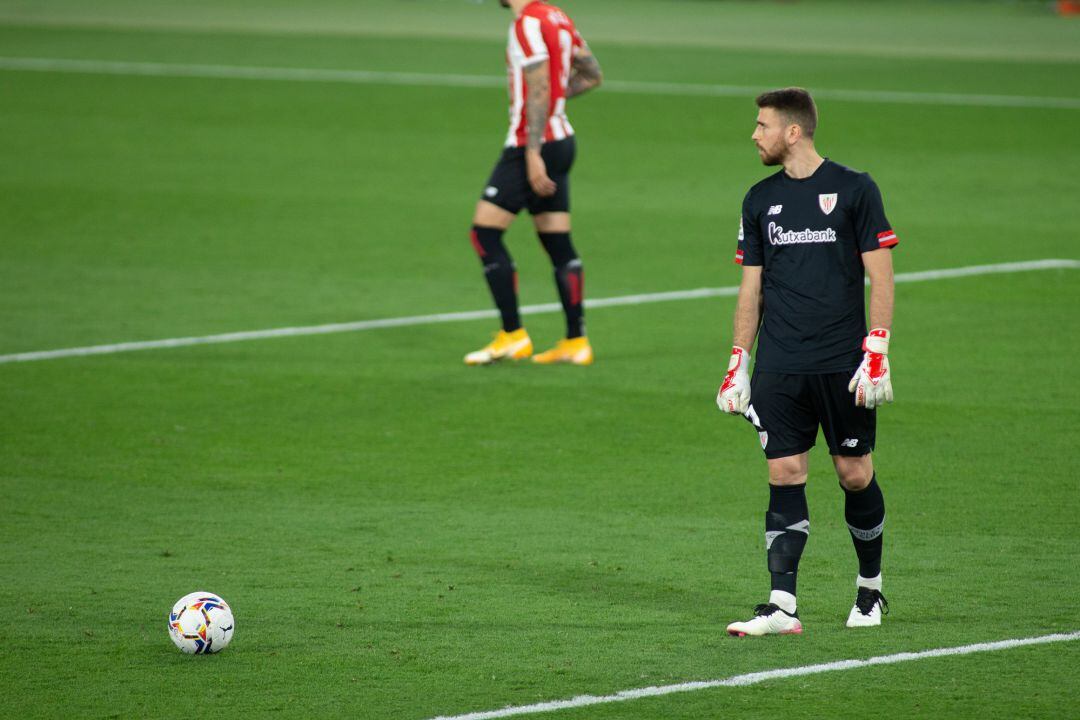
x: 795, y: 104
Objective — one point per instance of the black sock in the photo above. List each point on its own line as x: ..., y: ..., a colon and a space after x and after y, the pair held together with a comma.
x: 499, y: 272
x: 864, y: 511
x: 787, y: 527
x: 569, y: 279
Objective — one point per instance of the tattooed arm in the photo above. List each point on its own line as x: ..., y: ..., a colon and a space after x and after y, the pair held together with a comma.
x: 585, y: 73
x: 537, y: 104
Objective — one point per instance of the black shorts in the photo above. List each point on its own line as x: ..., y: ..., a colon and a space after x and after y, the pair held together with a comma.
x: 508, y: 187
x: 787, y: 410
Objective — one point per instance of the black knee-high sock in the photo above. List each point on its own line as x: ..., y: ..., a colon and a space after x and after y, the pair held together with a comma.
x: 569, y: 279
x: 864, y: 511
x: 499, y: 272
x: 787, y: 527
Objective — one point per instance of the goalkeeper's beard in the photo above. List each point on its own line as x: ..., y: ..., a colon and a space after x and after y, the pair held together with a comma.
x: 775, y: 155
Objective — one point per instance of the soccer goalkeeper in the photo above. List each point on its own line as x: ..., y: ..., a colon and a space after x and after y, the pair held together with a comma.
x: 808, y: 235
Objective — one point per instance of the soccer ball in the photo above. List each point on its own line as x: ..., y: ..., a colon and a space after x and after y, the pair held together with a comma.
x: 201, y: 622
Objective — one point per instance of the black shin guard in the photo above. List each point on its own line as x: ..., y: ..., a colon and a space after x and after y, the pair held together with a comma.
x: 864, y: 511
x: 499, y: 272
x: 787, y: 527
x: 569, y: 279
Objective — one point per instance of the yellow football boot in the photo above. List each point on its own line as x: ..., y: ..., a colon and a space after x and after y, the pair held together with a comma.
x: 569, y: 350
x: 513, y: 345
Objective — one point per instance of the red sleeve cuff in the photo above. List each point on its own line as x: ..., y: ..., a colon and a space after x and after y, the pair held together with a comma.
x: 887, y: 239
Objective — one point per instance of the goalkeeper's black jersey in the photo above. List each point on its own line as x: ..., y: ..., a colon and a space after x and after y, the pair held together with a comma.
x: 809, y: 235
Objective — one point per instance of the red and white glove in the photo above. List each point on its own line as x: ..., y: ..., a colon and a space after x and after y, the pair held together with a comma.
x: 734, y: 395
x: 872, y: 383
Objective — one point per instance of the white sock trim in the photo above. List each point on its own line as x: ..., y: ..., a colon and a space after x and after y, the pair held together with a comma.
x: 873, y: 583
x: 783, y: 600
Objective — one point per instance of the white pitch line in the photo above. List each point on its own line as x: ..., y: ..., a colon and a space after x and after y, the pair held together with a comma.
x: 1014, y: 267
x: 759, y: 677
x: 365, y: 77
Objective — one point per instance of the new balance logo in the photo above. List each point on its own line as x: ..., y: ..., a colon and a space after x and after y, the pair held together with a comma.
x: 850, y: 442
x: 775, y: 209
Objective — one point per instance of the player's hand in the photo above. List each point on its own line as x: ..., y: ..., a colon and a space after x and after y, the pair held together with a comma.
x: 734, y: 395
x: 872, y: 383
x: 536, y: 168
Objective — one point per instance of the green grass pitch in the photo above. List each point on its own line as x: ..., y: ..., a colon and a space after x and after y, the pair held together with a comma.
x: 404, y: 537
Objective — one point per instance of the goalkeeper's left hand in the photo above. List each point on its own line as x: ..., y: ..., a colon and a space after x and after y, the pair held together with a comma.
x: 872, y: 383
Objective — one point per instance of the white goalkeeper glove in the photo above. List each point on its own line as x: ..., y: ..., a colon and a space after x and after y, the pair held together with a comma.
x: 872, y: 383
x: 734, y: 395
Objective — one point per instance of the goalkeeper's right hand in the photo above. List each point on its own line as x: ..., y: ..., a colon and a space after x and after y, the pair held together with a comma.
x: 734, y: 395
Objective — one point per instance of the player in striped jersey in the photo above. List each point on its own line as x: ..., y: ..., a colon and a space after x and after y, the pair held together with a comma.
x: 547, y: 63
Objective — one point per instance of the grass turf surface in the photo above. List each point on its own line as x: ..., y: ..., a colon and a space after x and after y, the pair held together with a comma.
x: 402, y: 536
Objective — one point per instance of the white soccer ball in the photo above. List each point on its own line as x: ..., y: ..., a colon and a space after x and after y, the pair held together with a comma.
x: 201, y: 622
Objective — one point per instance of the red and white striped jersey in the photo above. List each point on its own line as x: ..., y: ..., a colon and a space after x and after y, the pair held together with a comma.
x: 541, y: 32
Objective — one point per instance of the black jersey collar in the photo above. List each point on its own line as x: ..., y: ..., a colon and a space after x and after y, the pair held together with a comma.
x: 808, y: 178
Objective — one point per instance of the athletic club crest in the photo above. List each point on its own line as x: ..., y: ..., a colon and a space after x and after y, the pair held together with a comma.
x: 827, y: 202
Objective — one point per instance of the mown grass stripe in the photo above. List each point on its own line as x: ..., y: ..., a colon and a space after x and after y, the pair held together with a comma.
x: 641, y: 299
x: 329, y: 75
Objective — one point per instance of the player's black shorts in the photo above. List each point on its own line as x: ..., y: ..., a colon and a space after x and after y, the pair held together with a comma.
x: 787, y: 410
x: 508, y: 187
